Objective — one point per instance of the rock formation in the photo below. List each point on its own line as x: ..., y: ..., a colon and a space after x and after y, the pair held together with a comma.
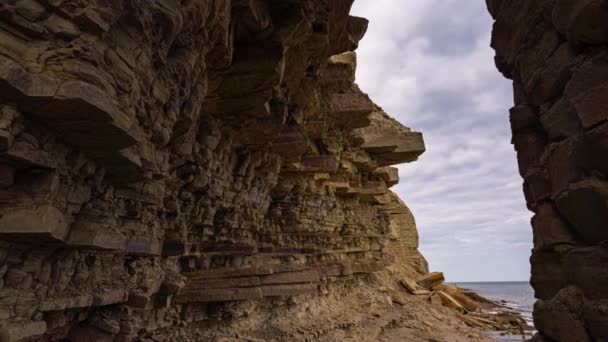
x: 160, y: 158
x: 555, y: 53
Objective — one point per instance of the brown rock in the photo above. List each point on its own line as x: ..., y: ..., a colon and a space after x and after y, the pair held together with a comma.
x: 584, y: 267
x: 550, y: 229
x: 431, y: 280
x: 582, y: 20
x: 548, y: 275
x: 89, y: 234
x: 560, y: 120
x: 89, y: 333
x: 44, y: 222
x: 449, y: 301
x: 561, y: 317
x: 589, y: 220
x: 22, y: 331
x: 291, y: 277
x: 218, y: 295
x: 138, y: 300
x: 288, y: 290
x: 596, y: 317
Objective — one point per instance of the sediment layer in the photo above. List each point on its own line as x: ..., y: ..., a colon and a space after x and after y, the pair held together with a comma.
x: 159, y: 159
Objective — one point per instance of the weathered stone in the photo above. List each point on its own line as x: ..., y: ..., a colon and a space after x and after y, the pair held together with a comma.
x: 194, y: 285
x: 589, y: 220
x: 564, y: 77
x: 74, y: 302
x: 560, y: 121
x: 219, y: 295
x: 431, y: 280
x: 43, y: 222
x: 585, y: 268
x: 107, y: 324
x: 449, y: 301
x: 229, y: 273
x: 143, y: 246
x: 561, y: 317
x: 596, y: 318
x: 466, y: 302
x: 138, y: 300
x: 389, y: 174
x: 173, y: 248
x: 291, y: 143
x: 221, y: 129
x: 537, y: 187
x: 22, y: 331
x: 391, y: 146
x: 291, y: 277
x: 550, y: 229
x: 523, y: 118
x: 409, y: 284
x: 566, y: 164
x: 102, y: 298
x: 582, y: 20
x: 288, y: 290
x: 530, y: 146
x: 89, y: 333
x: 351, y: 108
x: 322, y: 163
x: 591, y: 107
x: 90, y: 234
x: 548, y: 275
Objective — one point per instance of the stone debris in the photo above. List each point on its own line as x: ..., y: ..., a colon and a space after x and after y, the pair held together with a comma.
x: 431, y: 280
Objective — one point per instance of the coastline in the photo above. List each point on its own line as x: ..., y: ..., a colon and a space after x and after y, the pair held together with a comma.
x: 501, y: 300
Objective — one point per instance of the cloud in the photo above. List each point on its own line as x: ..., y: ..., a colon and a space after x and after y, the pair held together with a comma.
x: 428, y: 64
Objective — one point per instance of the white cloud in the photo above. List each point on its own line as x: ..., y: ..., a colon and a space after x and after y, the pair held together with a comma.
x: 428, y: 64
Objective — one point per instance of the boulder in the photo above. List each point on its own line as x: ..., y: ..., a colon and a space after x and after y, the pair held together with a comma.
x: 389, y: 145
x: 449, y: 301
x: 431, y: 280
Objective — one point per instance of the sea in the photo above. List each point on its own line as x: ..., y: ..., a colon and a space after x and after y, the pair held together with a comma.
x: 516, y: 295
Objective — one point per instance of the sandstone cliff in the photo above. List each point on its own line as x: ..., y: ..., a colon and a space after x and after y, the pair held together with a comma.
x: 555, y: 52
x: 160, y: 158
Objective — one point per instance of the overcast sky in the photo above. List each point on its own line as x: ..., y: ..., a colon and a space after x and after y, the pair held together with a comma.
x: 428, y: 63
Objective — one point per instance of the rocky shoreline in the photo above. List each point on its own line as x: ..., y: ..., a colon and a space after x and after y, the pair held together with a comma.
x: 473, y: 309
x: 381, y: 309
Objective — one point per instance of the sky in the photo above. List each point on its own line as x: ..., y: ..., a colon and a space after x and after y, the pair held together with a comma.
x: 428, y: 64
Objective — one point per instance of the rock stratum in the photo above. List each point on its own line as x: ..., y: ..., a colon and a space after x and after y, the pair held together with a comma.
x: 165, y: 165
x: 555, y: 52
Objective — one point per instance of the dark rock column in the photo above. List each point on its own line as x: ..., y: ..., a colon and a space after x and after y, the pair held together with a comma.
x: 555, y: 52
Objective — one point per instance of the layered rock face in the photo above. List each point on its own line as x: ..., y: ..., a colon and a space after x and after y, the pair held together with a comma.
x: 555, y: 52
x: 160, y: 158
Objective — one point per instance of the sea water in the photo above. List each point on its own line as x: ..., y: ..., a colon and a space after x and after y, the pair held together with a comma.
x: 516, y: 295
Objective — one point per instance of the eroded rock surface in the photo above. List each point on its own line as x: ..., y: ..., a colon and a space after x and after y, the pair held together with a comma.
x: 555, y: 52
x: 161, y: 161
